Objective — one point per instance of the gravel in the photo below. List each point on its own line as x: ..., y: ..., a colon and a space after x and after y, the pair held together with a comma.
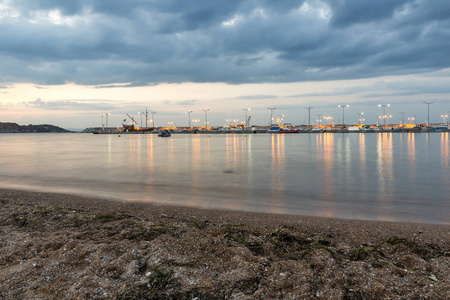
x: 57, y: 246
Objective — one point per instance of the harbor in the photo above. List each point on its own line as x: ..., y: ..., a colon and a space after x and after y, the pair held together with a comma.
x: 275, y: 128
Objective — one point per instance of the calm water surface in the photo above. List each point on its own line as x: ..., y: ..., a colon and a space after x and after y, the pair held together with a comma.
x: 371, y: 176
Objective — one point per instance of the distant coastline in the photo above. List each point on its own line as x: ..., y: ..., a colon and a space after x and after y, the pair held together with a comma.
x: 16, y: 128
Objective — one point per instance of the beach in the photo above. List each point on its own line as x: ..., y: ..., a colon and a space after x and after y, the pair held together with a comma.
x: 57, y: 246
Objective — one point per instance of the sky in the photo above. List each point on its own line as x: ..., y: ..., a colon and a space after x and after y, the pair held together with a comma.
x: 69, y: 63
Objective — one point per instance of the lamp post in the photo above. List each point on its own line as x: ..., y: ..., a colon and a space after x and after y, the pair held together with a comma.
x: 189, y: 117
x: 141, y: 113
x: 103, y: 124
x: 107, y: 114
x: 280, y: 119
x: 153, y: 118
x: 388, y: 117
x: 206, y: 118
x: 246, y: 117
x: 318, y: 118
x: 359, y: 118
x: 343, y: 108
x: 428, y: 119
x: 146, y: 117
x: 309, y: 115
x: 444, y: 117
x: 384, y: 112
x: 411, y: 119
x: 272, y: 109
x: 403, y: 114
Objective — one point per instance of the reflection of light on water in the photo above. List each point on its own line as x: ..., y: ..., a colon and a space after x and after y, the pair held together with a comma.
x: 233, y: 146
x: 445, y: 149
x: 249, y: 161
x: 412, y: 156
x: 385, y: 175
x: 384, y: 163
x: 327, y: 143
x: 196, y: 167
x: 308, y: 177
x: 363, y: 165
x: 235, y: 162
x: 150, y: 164
x: 276, y: 170
x: 445, y: 160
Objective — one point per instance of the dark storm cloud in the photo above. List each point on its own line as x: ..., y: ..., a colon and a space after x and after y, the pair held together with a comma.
x: 350, y: 12
x: 144, y: 42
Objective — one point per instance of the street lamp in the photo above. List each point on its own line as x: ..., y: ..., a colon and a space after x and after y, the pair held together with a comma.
x: 107, y: 114
x: 359, y: 118
x: 388, y: 117
x: 271, y: 115
x: 384, y: 111
x: 343, y: 107
x: 309, y: 116
x: 444, y: 116
x: 402, y: 113
x: 189, y: 116
x: 141, y: 113
x: 428, y: 103
x: 195, y: 121
x: 153, y: 118
x: 280, y: 119
x: 103, y: 124
x: 246, y: 118
x: 318, y: 116
x: 206, y: 118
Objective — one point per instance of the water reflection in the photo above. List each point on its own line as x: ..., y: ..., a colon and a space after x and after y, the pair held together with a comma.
x: 363, y: 166
x: 384, y: 164
x: 385, y: 176
x: 277, y: 173
x: 445, y: 149
x: 325, y: 161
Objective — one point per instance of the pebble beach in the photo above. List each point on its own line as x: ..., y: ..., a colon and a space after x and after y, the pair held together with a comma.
x: 56, y: 246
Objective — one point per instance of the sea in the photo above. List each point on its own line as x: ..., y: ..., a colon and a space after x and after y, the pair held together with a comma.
x: 385, y: 176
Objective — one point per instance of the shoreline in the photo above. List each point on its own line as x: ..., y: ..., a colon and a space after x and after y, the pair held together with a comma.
x: 56, y: 245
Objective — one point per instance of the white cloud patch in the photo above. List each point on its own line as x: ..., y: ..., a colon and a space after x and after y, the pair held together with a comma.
x: 252, y: 97
x: 70, y: 105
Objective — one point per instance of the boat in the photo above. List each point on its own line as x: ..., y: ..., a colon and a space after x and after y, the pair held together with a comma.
x: 165, y: 133
x: 274, y: 128
x: 288, y: 130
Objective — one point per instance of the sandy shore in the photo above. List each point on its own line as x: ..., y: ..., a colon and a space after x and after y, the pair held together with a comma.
x: 63, y: 246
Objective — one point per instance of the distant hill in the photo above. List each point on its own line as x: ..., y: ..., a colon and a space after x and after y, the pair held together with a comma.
x: 14, y: 128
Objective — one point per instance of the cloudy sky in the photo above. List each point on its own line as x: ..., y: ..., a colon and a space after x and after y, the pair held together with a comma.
x: 69, y: 62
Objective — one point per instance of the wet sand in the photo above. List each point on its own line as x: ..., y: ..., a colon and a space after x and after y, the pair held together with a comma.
x: 57, y: 246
